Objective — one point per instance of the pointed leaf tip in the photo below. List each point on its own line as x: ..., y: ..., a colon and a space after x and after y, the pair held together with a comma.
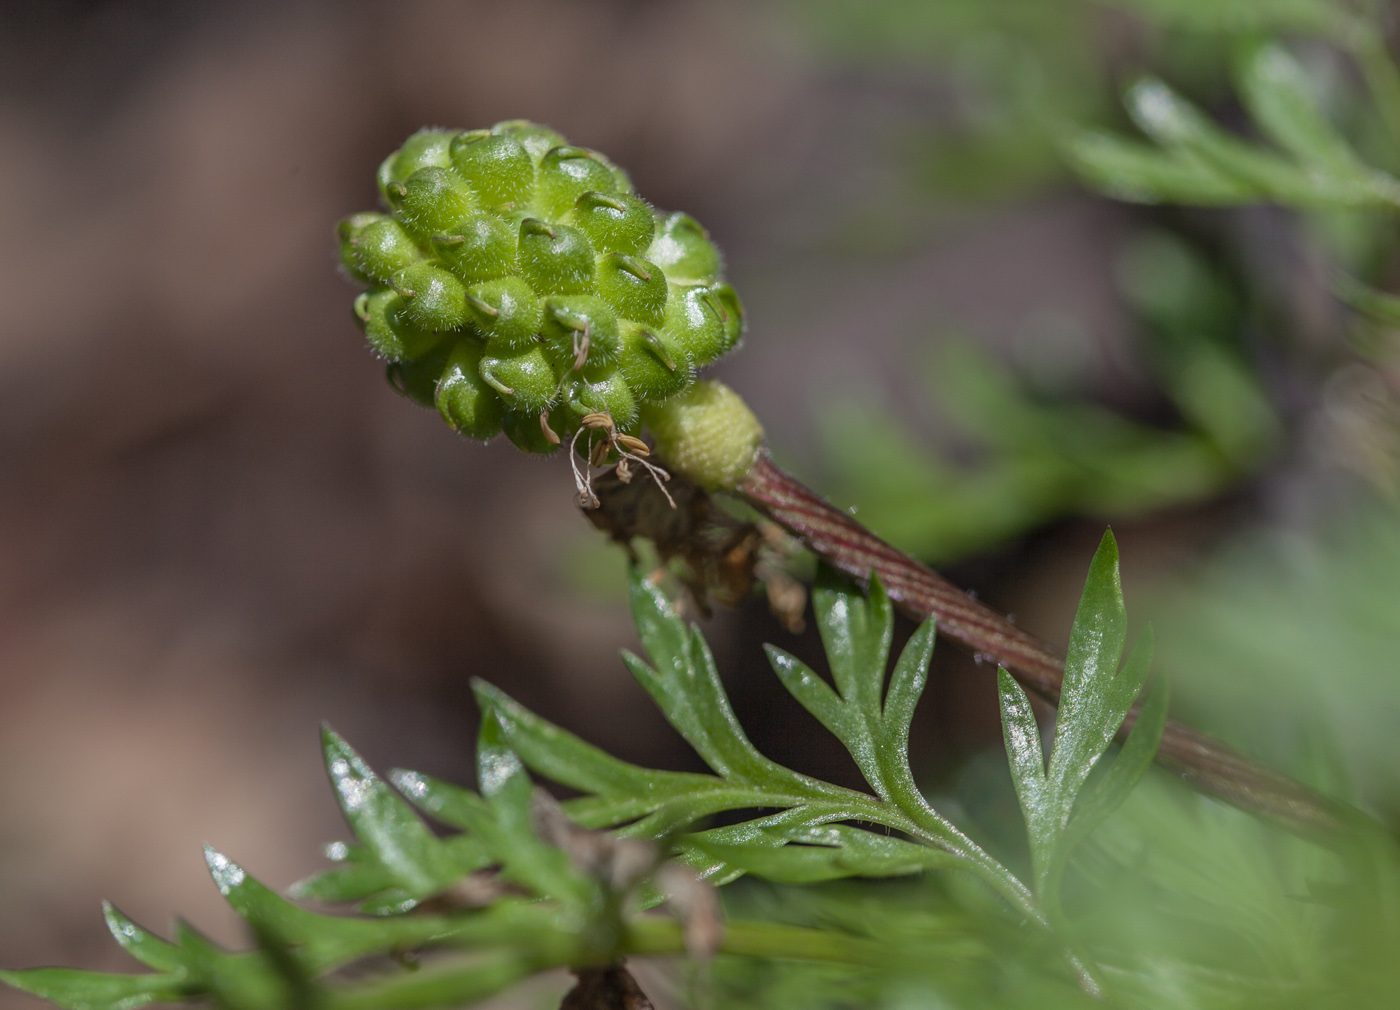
x: 487, y: 695
x: 411, y: 784
x: 1108, y: 545
x: 140, y: 943
x: 226, y: 873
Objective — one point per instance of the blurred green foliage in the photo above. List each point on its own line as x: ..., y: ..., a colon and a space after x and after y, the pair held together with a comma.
x: 1024, y: 444
x: 1140, y: 892
x: 1120, y: 887
x: 521, y: 886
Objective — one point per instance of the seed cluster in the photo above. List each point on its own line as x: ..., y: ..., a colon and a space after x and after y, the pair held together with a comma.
x: 519, y: 284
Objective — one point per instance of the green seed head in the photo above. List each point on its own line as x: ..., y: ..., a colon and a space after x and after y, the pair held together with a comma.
x: 524, y: 379
x: 694, y: 321
x: 347, y: 230
x: 580, y: 330
x: 382, y: 248
x: 654, y: 365
x: 425, y: 148
x: 432, y: 200
x: 554, y: 258
x: 393, y: 335
x: 633, y: 287
x: 463, y: 398
x: 507, y: 313
x: 498, y: 168
x: 515, y: 277
x: 482, y: 248
x: 565, y: 174
x: 683, y: 249
x: 613, y: 222
x: 609, y: 394
x: 417, y: 378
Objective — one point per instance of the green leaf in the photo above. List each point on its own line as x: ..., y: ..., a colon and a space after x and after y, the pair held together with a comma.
x: 872, y: 724
x: 1176, y: 124
x: 1199, y: 163
x: 906, y: 687
x: 1094, y: 700
x: 390, y: 830
x: 686, y: 686
x: 247, y: 980
x: 1085, y: 720
x: 561, y: 756
x: 94, y: 990
x: 820, y: 853
x: 1126, y: 685
x: 1140, y: 173
x: 666, y: 801
x: 817, y: 697
x: 1107, y: 795
x: 1279, y: 97
x: 856, y: 632
x: 507, y: 830
x: 141, y: 943
x: 461, y: 808
x: 498, y: 822
x: 1023, y: 750
x: 325, y: 941
x: 354, y: 879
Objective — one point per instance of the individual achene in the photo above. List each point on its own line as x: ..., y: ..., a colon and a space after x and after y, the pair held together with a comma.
x: 517, y: 283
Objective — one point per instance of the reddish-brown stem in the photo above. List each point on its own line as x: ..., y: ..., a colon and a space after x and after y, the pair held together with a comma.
x: 919, y: 592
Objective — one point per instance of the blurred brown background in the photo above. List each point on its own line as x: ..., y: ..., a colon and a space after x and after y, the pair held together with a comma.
x: 219, y: 526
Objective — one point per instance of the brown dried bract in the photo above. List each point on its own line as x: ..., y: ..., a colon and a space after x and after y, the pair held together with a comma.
x: 724, y: 556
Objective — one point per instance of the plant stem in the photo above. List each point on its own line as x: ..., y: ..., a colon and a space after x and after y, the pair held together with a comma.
x: 656, y: 935
x: 1205, y: 763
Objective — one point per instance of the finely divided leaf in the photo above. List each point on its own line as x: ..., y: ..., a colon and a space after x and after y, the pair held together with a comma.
x: 1197, y: 162
x: 140, y: 942
x: 830, y: 852
x: 92, y: 990
x: 665, y: 801
x: 508, y: 831
x: 1084, y: 723
x: 870, y: 721
x: 842, y: 720
x: 1140, y: 173
x: 1108, y: 793
x: 856, y: 632
x: 387, y: 826
x: 1023, y: 750
x: 685, y: 685
x: 562, y: 757
x: 906, y: 687
x: 323, y: 941
x: 682, y: 678
x: 356, y: 876
x: 1095, y: 698
x: 1280, y: 99
x: 1174, y: 122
